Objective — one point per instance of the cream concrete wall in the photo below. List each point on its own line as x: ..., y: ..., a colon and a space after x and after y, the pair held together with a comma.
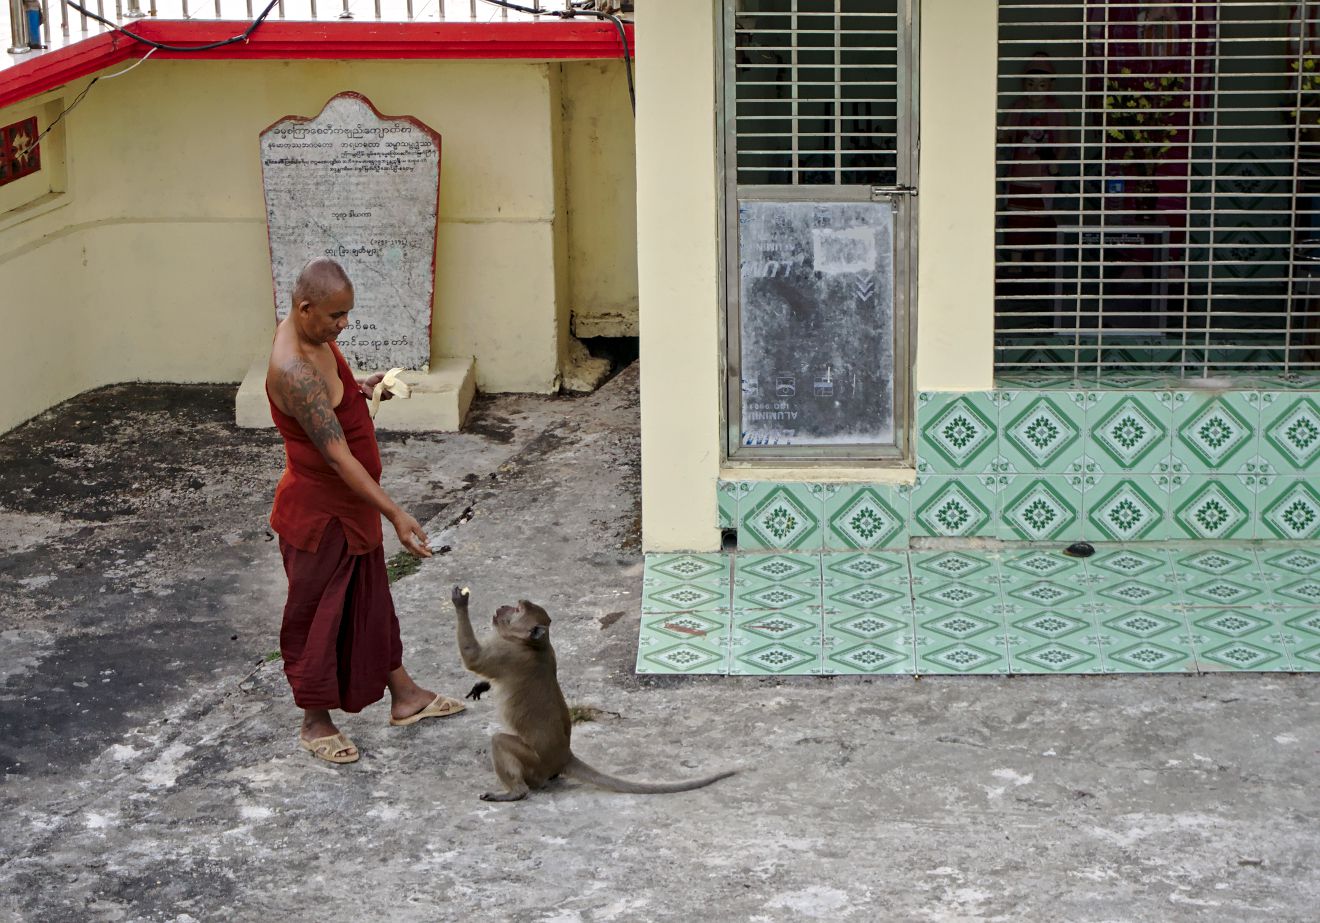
x: 600, y: 166
x: 154, y: 264
x: 956, y: 207
x: 678, y: 248
x: 677, y: 273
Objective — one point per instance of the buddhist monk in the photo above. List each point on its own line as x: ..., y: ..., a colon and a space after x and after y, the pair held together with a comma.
x: 340, y: 636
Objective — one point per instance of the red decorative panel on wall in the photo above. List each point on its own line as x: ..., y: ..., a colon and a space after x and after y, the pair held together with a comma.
x: 19, y: 156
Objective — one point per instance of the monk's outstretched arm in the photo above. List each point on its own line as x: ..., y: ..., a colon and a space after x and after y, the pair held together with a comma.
x: 303, y: 392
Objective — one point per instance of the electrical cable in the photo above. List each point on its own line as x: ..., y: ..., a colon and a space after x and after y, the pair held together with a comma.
x: 241, y: 37
x: 79, y: 98
x: 569, y: 14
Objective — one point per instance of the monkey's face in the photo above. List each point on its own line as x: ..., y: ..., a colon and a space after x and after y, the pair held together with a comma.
x: 525, y: 623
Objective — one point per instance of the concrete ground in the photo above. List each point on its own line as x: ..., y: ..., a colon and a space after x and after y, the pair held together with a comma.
x: 150, y: 770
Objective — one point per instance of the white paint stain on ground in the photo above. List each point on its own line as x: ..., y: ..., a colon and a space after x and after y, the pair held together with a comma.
x: 1285, y: 739
x: 94, y: 821
x: 1010, y: 776
x: 1016, y: 778
x: 254, y: 812
x: 1142, y: 827
x: 165, y: 769
x: 121, y: 753
x: 36, y: 583
x: 816, y: 903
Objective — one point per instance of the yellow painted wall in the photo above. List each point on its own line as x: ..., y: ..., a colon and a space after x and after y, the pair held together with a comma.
x: 679, y: 248
x: 677, y: 273
x: 155, y: 265
x: 956, y: 208
x: 602, y: 200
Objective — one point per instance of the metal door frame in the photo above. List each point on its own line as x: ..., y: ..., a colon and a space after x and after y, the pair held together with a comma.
x: 902, y: 196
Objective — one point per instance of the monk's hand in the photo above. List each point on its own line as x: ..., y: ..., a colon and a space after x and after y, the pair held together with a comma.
x: 368, y: 386
x: 411, y: 535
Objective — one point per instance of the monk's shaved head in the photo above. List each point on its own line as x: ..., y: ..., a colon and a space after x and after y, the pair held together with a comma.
x: 319, y: 279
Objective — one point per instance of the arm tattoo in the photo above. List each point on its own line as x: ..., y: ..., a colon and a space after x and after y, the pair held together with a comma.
x: 309, y: 403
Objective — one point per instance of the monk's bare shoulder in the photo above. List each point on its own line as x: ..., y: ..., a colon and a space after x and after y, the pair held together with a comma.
x: 296, y: 384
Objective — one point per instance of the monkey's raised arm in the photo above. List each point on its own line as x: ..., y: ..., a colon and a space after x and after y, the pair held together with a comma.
x: 469, y: 648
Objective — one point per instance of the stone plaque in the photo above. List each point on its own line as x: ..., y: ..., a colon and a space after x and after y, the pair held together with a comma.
x: 360, y: 188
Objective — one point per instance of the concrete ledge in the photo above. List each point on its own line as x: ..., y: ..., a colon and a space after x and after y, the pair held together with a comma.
x: 439, y: 403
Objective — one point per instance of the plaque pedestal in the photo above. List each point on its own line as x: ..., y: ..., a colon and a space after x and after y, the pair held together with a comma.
x: 439, y: 402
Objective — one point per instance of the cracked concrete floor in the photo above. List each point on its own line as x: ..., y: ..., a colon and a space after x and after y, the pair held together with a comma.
x: 150, y: 771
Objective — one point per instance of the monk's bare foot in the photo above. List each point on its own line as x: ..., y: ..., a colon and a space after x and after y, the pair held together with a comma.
x: 406, y: 697
x: 317, y: 724
x: 410, y: 703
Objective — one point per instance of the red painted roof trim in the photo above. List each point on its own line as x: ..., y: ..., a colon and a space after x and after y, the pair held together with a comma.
x: 282, y: 40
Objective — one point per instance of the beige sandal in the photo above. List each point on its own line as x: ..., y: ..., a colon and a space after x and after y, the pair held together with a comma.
x: 440, y: 707
x: 330, y: 748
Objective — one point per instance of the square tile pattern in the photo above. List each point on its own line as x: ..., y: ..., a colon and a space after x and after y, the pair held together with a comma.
x: 1143, y: 462
x: 1145, y: 607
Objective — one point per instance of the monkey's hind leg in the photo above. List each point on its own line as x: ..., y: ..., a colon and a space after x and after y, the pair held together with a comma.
x: 514, y: 764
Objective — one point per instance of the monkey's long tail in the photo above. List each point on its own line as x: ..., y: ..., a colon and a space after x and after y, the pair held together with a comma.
x: 579, y: 770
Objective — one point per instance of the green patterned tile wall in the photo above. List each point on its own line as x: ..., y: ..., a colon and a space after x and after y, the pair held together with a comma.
x: 1056, y: 462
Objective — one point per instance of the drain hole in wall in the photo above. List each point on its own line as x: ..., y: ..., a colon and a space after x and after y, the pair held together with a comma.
x: 728, y: 539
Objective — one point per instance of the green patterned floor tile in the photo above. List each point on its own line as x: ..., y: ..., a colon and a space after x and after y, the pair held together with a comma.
x: 1156, y: 589
x: 844, y: 568
x: 1122, y: 561
x: 755, y: 627
x: 1147, y: 641
x: 784, y: 643
x: 937, y: 655
x: 1054, y: 641
x: 709, y: 569
x: 685, y: 582
x: 1047, y: 593
x: 1285, y: 562
x: 940, y: 566
x: 864, y: 596
x: 959, y: 628
x: 1238, y: 640
x: 1143, y: 608
x: 870, y: 643
x: 1303, y: 637
x: 688, y: 642
x: 969, y: 594
x: 1302, y: 593
x: 779, y: 595
x: 1024, y: 566
x: 775, y: 568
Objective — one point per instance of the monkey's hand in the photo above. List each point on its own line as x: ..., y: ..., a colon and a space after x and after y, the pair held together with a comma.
x: 460, y: 597
x: 476, y: 691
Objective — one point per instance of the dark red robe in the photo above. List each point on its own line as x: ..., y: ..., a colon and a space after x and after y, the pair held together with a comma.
x: 340, y: 636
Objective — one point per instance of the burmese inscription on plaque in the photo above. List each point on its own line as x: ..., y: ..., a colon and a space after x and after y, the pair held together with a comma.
x: 361, y: 188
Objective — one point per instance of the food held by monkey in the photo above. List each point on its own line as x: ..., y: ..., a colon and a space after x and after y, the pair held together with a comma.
x: 519, y: 660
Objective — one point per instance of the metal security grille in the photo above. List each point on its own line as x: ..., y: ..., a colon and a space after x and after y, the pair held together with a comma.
x: 818, y: 108
x: 816, y: 85
x: 1158, y: 200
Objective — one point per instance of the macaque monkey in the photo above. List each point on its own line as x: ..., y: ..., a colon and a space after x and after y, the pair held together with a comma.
x: 519, y: 660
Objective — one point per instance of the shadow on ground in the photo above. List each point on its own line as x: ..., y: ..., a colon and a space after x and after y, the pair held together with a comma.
x: 150, y: 771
